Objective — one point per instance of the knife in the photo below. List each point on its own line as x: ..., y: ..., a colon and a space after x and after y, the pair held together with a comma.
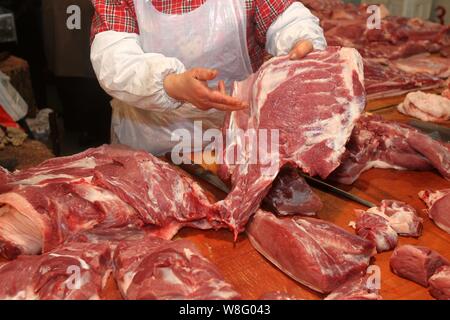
x: 205, y: 175
x: 435, y: 131
x: 323, y: 185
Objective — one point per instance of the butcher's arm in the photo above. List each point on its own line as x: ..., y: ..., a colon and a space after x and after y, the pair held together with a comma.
x: 295, y: 27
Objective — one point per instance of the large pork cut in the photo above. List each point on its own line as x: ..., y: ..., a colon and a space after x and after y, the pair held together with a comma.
x: 379, y: 143
x: 438, y: 203
x: 157, y: 269
x: 316, y: 253
x: 416, y: 263
x: 75, y: 271
x: 105, y: 187
x: 311, y: 104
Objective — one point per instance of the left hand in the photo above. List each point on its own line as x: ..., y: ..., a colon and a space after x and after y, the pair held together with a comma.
x: 301, y: 50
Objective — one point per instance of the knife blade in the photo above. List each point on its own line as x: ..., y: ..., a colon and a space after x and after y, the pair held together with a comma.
x: 205, y: 175
x: 435, y: 131
x: 322, y: 184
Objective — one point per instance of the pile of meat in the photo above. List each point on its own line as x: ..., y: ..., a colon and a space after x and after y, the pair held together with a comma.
x: 385, y: 48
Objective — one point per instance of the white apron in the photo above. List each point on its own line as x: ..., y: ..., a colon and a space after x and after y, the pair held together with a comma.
x: 211, y: 36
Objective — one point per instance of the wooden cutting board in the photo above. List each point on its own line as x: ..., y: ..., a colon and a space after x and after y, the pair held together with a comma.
x: 253, y: 275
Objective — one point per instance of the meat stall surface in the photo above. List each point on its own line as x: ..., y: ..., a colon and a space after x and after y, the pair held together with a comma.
x: 379, y: 143
x: 440, y: 283
x: 75, y: 271
x: 316, y: 253
x: 105, y: 187
x: 426, y: 106
x: 438, y: 203
x: 321, y: 96
x: 154, y: 268
x: 416, y: 263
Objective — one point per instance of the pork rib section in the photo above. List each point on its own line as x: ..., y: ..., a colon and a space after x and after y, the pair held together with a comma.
x: 379, y: 143
x: 75, y: 271
x: 416, y: 263
x: 154, y: 268
x: 438, y: 203
x: 313, y: 105
x: 316, y: 253
x: 440, y: 283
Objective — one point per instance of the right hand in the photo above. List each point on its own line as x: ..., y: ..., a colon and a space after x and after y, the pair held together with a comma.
x: 191, y: 86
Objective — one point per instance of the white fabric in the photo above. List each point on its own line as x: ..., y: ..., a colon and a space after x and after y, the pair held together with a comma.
x: 295, y: 24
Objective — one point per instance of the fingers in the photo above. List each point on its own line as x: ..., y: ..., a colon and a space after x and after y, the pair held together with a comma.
x: 204, y: 74
x: 301, y: 50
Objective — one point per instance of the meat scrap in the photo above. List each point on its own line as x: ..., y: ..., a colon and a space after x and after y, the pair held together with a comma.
x: 316, y: 253
x: 321, y: 98
x: 416, y: 263
x: 440, y: 283
x: 379, y: 143
x: 426, y: 106
x: 377, y: 230
x: 75, y: 271
x: 278, y: 295
x: 105, y: 187
x: 154, y: 268
x: 291, y: 195
x: 438, y: 203
x: 359, y: 288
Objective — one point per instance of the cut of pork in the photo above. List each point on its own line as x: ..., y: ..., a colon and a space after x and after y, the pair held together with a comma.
x: 105, y: 187
x: 383, y: 79
x: 377, y: 230
x: 291, y: 195
x: 379, y: 143
x: 75, y: 271
x: 312, y: 104
x: 359, y: 288
x: 440, y: 283
x: 316, y: 253
x: 416, y: 263
x: 438, y: 203
x: 156, y: 269
x: 426, y: 106
x: 425, y: 63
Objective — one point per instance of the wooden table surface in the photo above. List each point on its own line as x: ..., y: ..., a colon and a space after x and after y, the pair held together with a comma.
x: 252, y: 275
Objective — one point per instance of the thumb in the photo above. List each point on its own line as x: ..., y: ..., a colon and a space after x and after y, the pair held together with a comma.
x: 204, y: 74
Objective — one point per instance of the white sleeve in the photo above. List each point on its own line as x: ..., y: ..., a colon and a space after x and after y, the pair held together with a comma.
x: 295, y: 24
x: 129, y: 74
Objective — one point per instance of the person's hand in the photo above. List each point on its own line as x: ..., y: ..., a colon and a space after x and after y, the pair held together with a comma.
x: 191, y: 86
x: 301, y: 50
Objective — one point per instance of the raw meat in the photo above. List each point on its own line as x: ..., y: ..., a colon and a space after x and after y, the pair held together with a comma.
x: 425, y: 63
x: 426, y: 106
x: 277, y: 296
x: 320, y: 98
x: 401, y: 217
x: 416, y: 263
x: 438, y: 203
x: 377, y: 230
x: 164, y: 270
x: 105, y: 187
x: 440, y: 283
x: 379, y: 143
x: 291, y: 195
x: 316, y: 253
x: 359, y: 288
x: 383, y: 79
x: 76, y: 271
